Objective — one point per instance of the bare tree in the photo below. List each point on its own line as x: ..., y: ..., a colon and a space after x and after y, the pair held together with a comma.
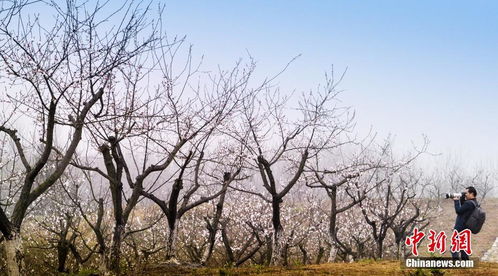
x: 58, y: 216
x: 155, y: 132
x: 92, y: 211
x: 388, y: 202
x: 454, y: 177
x: 214, y: 224
x: 349, y: 182
x: 411, y: 217
x: 243, y: 228
x: 57, y: 72
x: 176, y: 206
x: 279, y: 141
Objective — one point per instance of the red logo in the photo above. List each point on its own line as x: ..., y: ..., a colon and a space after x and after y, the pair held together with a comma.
x: 438, y: 242
x: 461, y: 241
x: 414, y: 240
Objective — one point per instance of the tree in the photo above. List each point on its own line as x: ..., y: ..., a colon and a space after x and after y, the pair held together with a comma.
x: 156, y: 132
x: 58, y: 226
x: 389, y: 200
x: 349, y: 180
x: 58, y: 73
x: 281, y: 142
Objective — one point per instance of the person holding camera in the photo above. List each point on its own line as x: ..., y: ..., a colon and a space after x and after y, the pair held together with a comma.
x: 464, y: 208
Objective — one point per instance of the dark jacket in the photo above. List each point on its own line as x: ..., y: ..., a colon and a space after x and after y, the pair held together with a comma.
x: 464, y: 209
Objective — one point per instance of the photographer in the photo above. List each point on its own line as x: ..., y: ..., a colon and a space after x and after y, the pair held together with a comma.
x: 464, y: 208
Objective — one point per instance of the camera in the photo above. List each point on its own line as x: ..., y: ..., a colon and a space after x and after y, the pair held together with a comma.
x: 455, y: 195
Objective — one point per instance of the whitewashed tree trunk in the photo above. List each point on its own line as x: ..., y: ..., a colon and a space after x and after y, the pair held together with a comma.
x: 207, y: 252
x: 332, y: 253
x: 278, y: 247
x: 171, y: 244
x: 349, y: 258
x: 13, y: 256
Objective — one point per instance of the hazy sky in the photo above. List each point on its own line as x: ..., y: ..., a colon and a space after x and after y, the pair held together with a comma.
x: 414, y: 67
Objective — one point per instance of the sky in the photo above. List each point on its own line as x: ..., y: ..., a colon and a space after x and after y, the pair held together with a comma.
x: 413, y: 67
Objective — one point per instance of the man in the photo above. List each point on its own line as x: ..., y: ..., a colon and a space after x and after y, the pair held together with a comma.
x: 464, y: 208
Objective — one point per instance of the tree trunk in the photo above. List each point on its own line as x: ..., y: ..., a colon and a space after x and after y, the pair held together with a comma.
x: 14, y: 255
x: 228, y: 247
x: 209, y: 249
x: 277, y: 257
x: 349, y: 258
x: 285, y: 254
x: 320, y: 255
x: 305, y: 254
x: 398, y: 250
x: 332, y: 225
x: 103, y: 264
x: 213, y: 228
x: 332, y: 253
x: 269, y: 250
x: 171, y: 243
x: 380, y: 248
x: 62, y: 254
x: 114, y: 259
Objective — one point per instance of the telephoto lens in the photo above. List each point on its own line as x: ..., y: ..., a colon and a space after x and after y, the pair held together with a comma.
x: 454, y: 195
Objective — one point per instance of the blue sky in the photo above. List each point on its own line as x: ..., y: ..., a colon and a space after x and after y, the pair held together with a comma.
x: 414, y: 67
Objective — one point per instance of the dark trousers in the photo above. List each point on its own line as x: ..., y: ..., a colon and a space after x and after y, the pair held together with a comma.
x: 456, y: 255
x: 459, y: 255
